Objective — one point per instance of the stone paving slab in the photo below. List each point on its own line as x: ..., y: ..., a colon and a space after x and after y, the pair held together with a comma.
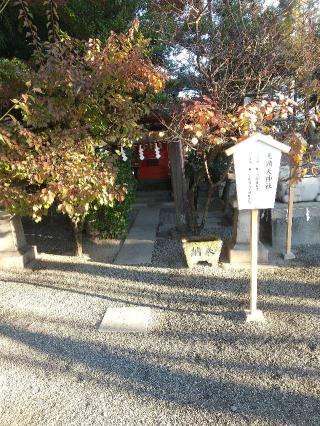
x: 134, y: 319
x: 138, y: 246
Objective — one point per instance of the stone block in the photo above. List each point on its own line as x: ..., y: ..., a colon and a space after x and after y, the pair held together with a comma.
x: 202, y: 249
x: 133, y: 319
x: 305, y: 224
x: 238, y: 248
x: 240, y: 253
x: 14, y: 251
x: 289, y: 256
x: 254, y: 316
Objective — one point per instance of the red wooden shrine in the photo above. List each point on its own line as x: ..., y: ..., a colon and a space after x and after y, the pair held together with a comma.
x: 152, y: 168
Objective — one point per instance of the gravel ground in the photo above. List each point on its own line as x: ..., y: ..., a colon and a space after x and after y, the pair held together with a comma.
x: 199, y: 364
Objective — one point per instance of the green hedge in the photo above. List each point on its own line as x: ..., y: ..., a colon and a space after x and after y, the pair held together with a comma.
x: 112, y: 222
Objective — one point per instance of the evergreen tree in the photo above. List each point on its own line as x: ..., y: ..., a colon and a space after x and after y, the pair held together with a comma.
x: 82, y: 19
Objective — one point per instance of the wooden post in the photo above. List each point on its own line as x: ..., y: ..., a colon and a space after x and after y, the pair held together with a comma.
x: 254, y: 260
x: 253, y: 314
x: 289, y: 255
x: 178, y: 182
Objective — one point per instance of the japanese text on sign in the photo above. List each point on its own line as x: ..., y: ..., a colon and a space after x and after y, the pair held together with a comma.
x: 257, y: 171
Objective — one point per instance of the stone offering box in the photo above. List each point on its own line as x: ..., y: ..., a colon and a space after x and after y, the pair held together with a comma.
x: 14, y: 251
x: 202, y: 249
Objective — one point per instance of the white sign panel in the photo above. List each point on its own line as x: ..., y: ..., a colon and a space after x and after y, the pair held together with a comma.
x: 257, y: 163
x: 257, y: 171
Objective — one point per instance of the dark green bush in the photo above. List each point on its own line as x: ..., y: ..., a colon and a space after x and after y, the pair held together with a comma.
x: 112, y: 222
x: 12, y: 35
x: 82, y: 19
x: 13, y: 77
x: 96, y: 18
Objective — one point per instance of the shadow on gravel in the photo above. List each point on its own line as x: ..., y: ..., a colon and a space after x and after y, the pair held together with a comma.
x: 124, y: 298
x: 271, y: 283
x: 175, y: 300
x: 141, y: 374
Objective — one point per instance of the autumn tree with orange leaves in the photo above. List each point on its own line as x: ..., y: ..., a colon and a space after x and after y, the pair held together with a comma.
x: 84, y: 103
x: 238, y: 52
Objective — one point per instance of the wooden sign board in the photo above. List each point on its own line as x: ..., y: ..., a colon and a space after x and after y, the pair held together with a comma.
x: 257, y: 164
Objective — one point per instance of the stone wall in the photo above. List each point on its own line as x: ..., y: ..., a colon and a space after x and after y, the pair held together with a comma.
x: 305, y: 227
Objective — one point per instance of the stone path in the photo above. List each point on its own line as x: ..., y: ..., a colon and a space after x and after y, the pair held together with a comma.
x: 138, y: 246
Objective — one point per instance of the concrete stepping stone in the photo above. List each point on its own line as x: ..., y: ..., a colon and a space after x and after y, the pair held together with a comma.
x: 134, y: 319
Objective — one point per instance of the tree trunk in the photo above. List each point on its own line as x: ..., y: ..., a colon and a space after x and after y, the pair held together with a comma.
x: 178, y: 183
x: 77, y: 230
x: 192, y: 199
x: 192, y: 217
x: 207, y: 205
x: 226, y: 193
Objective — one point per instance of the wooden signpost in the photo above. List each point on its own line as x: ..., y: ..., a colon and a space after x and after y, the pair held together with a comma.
x: 257, y: 164
x: 288, y: 254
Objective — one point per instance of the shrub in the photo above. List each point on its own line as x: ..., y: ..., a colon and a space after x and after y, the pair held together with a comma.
x: 13, y: 77
x: 112, y: 221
